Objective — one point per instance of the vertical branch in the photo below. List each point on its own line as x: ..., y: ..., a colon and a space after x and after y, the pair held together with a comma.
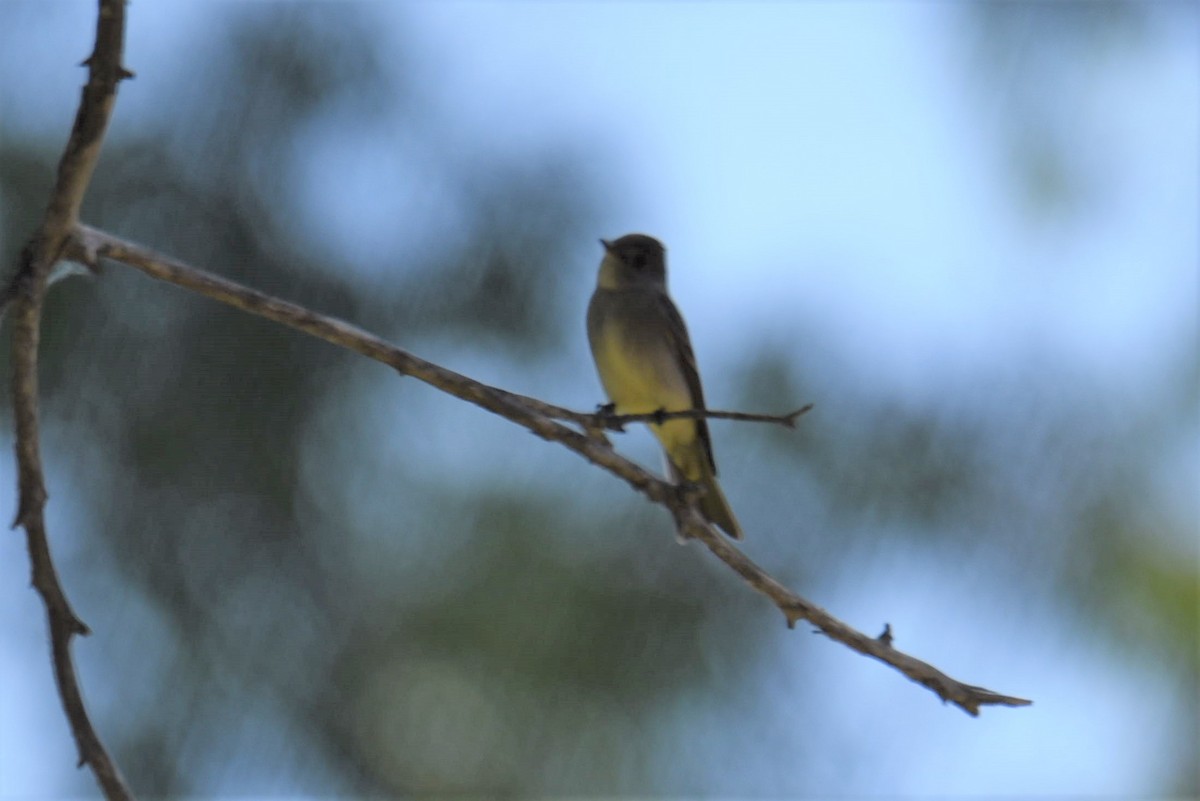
x: 79, y: 157
x: 27, y: 294
x: 27, y: 289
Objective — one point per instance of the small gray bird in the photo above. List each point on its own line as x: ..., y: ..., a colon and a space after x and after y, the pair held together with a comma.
x: 645, y: 361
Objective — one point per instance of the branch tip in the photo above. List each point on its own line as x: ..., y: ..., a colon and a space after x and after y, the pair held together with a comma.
x: 791, y: 417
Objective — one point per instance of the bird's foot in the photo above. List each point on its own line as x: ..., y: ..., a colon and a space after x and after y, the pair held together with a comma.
x: 605, y: 415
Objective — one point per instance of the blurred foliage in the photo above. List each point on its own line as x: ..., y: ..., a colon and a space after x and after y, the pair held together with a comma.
x: 291, y: 572
x: 1037, y: 57
x: 184, y: 423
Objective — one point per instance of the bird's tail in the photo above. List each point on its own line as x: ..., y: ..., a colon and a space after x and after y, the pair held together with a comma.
x: 713, y: 504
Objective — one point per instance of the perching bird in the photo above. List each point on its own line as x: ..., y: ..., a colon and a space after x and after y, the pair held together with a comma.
x: 646, y: 363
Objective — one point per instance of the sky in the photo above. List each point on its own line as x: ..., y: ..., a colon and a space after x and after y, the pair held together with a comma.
x: 802, y: 162
x: 755, y: 133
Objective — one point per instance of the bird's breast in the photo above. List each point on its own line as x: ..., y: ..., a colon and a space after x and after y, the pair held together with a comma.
x: 637, y: 362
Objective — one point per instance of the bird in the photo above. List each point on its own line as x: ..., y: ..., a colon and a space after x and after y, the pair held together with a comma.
x: 645, y: 361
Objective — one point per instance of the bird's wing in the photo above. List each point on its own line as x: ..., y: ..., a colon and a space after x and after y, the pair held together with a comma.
x: 682, y: 346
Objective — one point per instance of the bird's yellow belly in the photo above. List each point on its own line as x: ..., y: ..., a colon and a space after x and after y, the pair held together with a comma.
x: 640, y: 381
x: 646, y: 380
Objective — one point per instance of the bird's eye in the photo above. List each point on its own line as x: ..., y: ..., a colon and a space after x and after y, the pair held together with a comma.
x: 637, y: 261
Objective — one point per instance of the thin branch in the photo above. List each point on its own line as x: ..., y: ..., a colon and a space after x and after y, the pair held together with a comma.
x: 605, y: 418
x: 90, y: 244
x: 78, y: 161
x: 965, y: 696
x: 26, y: 292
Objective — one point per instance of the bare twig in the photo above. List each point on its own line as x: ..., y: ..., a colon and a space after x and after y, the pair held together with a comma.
x: 604, y: 418
x: 90, y: 244
x: 965, y: 696
x: 26, y: 292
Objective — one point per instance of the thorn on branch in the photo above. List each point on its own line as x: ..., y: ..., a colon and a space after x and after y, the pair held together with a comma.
x: 885, y: 636
x: 30, y: 504
x: 122, y: 74
x: 792, y: 616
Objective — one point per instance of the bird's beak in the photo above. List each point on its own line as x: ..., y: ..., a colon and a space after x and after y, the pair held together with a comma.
x: 607, y: 244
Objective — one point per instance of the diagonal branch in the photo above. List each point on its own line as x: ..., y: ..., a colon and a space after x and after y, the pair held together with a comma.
x: 89, y: 245
x: 26, y: 292
x: 967, y: 697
